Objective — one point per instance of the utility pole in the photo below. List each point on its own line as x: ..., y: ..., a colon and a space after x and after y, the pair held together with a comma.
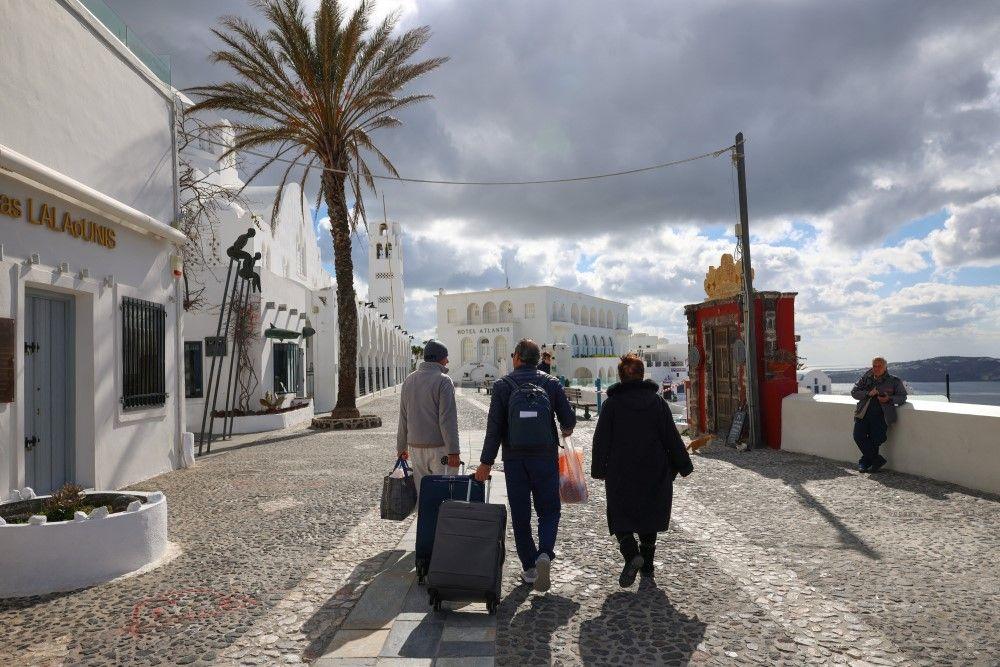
x: 749, y: 314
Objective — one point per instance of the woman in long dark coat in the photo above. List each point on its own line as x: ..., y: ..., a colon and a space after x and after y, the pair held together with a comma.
x: 638, y: 453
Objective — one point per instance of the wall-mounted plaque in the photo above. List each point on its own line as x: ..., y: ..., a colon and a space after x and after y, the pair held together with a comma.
x: 7, y: 359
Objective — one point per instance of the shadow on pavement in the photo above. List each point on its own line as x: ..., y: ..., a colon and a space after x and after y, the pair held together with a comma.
x: 223, y: 446
x: 534, y: 627
x: 640, y: 628
x: 323, y: 624
x: 794, y: 471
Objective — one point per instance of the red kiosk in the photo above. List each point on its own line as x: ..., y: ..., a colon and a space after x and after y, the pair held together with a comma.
x: 717, y: 356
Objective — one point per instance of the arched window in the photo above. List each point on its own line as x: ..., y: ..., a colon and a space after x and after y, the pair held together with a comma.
x: 600, y: 319
x: 575, y: 313
x: 576, y: 346
x: 378, y: 251
x: 555, y: 312
x: 562, y: 313
x: 585, y: 317
x: 593, y: 315
x: 466, y: 350
x: 506, y: 311
x: 586, y: 345
x: 490, y: 313
x: 501, y: 351
x: 472, y: 313
x: 383, y: 229
x: 388, y: 250
x: 604, y: 346
x: 484, y: 350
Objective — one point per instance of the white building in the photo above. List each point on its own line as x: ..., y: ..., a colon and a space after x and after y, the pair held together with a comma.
x: 480, y: 329
x: 665, y: 361
x: 813, y: 381
x: 90, y: 316
x: 297, y: 298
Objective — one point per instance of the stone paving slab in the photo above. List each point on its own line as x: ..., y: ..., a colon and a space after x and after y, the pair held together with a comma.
x: 395, y: 603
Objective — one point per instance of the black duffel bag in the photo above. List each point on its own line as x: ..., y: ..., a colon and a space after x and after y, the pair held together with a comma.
x: 399, y: 494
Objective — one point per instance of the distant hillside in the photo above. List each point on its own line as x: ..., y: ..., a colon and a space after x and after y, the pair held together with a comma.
x: 961, y: 369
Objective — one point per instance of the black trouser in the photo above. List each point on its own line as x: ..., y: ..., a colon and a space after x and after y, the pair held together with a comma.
x: 629, y: 548
x: 869, y: 433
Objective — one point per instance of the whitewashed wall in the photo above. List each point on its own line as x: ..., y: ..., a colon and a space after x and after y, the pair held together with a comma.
x: 77, y: 101
x: 951, y: 442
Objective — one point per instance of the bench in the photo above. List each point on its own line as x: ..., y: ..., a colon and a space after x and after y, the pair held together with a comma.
x: 575, y: 396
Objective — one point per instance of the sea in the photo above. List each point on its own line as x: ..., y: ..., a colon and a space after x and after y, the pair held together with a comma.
x: 982, y: 393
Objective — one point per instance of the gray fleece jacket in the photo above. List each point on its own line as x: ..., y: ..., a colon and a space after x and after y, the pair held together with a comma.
x: 428, y: 416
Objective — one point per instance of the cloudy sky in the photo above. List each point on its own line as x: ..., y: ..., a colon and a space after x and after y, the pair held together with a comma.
x: 873, y: 156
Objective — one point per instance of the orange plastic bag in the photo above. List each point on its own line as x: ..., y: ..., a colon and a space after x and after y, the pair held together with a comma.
x: 572, y: 481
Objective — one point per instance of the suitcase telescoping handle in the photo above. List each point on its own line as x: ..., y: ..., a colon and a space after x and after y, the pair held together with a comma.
x: 489, y: 485
x: 468, y: 495
x: 461, y: 464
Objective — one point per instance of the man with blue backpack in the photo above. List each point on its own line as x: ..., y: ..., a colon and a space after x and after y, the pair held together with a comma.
x: 522, y: 421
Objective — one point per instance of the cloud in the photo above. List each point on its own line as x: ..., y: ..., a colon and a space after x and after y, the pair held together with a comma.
x: 861, y: 118
x: 971, y: 235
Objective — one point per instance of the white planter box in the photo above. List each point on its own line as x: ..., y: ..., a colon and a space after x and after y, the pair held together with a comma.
x: 272, y: 422
x: 67, y: 555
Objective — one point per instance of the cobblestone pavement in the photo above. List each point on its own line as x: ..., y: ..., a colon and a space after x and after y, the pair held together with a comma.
x: 771, y: 558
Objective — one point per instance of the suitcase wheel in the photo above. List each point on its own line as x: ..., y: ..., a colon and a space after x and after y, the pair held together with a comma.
x: 491, y: 605
x: 434, y: 600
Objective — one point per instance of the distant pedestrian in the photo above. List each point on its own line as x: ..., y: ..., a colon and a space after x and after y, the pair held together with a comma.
x: 878, y: 394
x: 428, y: 416
x: 638, y: 453
x: 668, y: 391
x: 522, y: 421
x: 546, y: 365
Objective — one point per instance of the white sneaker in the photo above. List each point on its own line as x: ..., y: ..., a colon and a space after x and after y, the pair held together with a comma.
x: 543, y: 566
x: 529, y: 576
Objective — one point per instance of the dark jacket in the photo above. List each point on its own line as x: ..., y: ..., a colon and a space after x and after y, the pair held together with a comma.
x: 496, y: 421
x: 887, y: 384
x: 638, y: 453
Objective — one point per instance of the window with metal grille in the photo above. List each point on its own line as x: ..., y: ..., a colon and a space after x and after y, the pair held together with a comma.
x: 192, y: 369
x: 144, y: 326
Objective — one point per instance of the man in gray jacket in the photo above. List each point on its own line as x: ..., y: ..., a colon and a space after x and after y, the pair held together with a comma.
x: 428, y: 417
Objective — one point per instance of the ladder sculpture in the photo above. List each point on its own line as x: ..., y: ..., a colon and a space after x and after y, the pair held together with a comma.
x: 245, y: 281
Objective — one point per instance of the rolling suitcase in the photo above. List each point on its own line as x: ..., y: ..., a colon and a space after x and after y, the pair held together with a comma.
x: 434, y: 490
x: 469, y: 551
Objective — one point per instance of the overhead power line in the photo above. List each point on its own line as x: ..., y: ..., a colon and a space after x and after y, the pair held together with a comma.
x: 432, y: 181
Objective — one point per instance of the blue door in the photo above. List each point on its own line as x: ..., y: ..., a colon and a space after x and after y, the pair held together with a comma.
x: 48, y: 391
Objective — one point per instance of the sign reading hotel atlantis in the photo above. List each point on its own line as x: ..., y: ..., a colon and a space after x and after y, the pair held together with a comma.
x: 46, y: 215
x: 492, y: 329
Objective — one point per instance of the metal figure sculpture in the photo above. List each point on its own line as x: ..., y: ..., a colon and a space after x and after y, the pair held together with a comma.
x: 245, y: 281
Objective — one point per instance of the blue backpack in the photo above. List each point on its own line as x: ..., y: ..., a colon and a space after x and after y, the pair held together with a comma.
x: 530, y: 422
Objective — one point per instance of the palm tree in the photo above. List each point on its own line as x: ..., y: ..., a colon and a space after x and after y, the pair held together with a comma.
x: 313, y: 93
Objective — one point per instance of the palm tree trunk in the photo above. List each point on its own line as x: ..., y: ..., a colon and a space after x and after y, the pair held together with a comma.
x: 347, y: 305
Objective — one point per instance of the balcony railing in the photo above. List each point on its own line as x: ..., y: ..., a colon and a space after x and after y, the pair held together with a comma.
x: 160, y: 65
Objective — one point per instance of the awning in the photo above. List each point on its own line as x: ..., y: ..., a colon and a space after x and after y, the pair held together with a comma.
x: 275, y: 333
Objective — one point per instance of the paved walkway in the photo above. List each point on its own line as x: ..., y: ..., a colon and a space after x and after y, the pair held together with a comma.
x: 772, y: 558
